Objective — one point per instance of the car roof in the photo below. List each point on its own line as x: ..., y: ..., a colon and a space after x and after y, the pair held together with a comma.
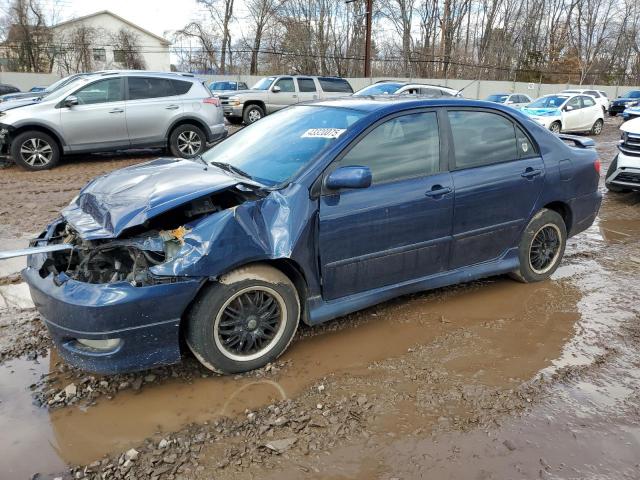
x: 390, y: 103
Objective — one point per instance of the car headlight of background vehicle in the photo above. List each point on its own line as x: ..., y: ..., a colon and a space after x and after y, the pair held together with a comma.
x: 631, y: 103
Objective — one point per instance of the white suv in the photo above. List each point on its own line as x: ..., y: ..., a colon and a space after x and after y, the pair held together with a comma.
x: 113, y: 111
x: 624, y: 171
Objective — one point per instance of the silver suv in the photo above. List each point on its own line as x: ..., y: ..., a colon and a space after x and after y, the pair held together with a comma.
x: 113, y: 111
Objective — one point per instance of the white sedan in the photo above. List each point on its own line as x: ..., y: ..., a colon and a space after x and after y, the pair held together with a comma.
x: 565, y: 112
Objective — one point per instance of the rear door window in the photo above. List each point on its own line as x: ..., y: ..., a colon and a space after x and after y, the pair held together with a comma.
x: 482, y: 138
x: 146, y: 87
x: 335, y: 85
x: 306, y: 85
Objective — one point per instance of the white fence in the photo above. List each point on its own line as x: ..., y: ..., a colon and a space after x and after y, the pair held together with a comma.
x: 472, y: 89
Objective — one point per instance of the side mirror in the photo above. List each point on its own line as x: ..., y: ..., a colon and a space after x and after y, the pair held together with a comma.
x: 276, y: 89
x: 349, y: 177
x: 70, y: 101
x: 568, y: 108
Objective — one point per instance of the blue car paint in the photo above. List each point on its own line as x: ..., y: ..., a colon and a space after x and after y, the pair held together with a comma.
x: 328, y: 240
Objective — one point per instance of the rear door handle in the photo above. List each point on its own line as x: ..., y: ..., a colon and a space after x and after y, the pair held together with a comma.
x: 172, y: 107
x: 117, y: 110
x: 531, y: 172
x: 437, y: 191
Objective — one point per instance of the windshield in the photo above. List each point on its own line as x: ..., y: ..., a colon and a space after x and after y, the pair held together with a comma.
x: 223, y: 86
x: 497, y: 98
x: 274, y: 149
x: 380, y: 89
x: 56, y: 85
x: 552, y: 101
x: 632, y: 94
x: 264, y: 84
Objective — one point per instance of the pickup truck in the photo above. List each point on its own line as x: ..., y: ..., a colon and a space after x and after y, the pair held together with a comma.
x: 276, y: 92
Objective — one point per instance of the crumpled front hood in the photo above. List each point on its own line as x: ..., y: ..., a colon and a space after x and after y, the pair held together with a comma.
x: 541, y: 112
x: 126, y: 198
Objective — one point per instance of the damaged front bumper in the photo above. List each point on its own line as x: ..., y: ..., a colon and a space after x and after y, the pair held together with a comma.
x: 106, y: 315
x: 143, y: 322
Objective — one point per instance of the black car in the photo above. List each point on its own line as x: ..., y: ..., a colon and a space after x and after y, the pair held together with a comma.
x: 629, y: 99
x: 4, y: 89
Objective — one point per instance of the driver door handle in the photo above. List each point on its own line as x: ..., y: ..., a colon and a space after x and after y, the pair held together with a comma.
x: 531, y: 172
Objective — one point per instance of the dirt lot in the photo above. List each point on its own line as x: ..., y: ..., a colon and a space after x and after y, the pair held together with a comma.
x: 492, y: 379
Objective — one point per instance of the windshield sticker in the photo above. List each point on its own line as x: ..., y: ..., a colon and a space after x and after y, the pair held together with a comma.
x: 323, y: 133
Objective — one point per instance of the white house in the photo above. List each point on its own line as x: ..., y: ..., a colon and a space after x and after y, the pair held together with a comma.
x: 100, y: 41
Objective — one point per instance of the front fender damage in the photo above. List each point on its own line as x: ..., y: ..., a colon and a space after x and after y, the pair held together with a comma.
x: 235, y: 228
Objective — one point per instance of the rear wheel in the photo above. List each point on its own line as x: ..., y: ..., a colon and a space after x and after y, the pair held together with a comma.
x: 187, y: 141
x: 245, y: 320
x: 597, y: 127
x: 35, y: 150
x: 555, y: 127
x: 541, y: 247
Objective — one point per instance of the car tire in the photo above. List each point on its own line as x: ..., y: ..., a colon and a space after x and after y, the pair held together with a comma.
x: 234, y: 120
x: 596, y: 129
x: 252, y: 114
x: 187, y: 141
x: 34, y: 150
x: 228, y: 312
x: 612, y: 114
x: 613, y: 166
x: 555, y: 127
x: 541, y: 247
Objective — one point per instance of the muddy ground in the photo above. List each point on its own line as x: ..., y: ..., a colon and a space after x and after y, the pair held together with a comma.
x: 492, y: 379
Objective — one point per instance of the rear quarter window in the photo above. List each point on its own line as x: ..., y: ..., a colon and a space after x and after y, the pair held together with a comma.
x: 335, y: 85
x: 181, y: 87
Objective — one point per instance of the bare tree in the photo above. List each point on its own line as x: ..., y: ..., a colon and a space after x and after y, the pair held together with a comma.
x: 75, y: 51
x: 261, y: 12
x: 221, y: 14
x: 126, y: 50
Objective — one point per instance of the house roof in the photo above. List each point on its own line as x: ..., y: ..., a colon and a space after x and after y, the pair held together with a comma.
x: 124, y: 20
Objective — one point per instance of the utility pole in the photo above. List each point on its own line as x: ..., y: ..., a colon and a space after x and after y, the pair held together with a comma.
x: 367, y: 40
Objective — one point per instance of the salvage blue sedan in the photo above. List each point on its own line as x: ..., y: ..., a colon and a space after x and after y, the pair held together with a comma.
x: 311, y: 213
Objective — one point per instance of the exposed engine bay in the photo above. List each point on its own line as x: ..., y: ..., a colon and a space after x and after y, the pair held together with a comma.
x: 130, y: 257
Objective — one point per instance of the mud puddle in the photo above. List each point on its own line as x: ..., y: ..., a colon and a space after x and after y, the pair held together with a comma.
x: 511, y: 341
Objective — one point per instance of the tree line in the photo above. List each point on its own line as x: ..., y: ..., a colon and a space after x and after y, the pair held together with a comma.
x: 575, y: 41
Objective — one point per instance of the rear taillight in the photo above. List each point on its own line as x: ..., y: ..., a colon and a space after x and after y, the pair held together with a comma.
x: 596, y: 165
x: 212, y: 101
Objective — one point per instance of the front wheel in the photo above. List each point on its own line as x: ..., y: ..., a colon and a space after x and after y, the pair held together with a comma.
x: 597, y: 127
x: 35, y: 150
x: 541, y: 247
x: 187, y: 141
x: 555, y: 127
x: 252, y: 114
x: 244, y: 321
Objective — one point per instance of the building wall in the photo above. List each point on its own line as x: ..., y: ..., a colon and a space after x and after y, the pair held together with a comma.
x: 154, y: 52
x: 474, y: 89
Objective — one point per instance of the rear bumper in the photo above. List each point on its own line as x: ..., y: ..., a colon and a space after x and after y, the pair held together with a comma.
x: 216, y: 133
x: 145, y: 320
